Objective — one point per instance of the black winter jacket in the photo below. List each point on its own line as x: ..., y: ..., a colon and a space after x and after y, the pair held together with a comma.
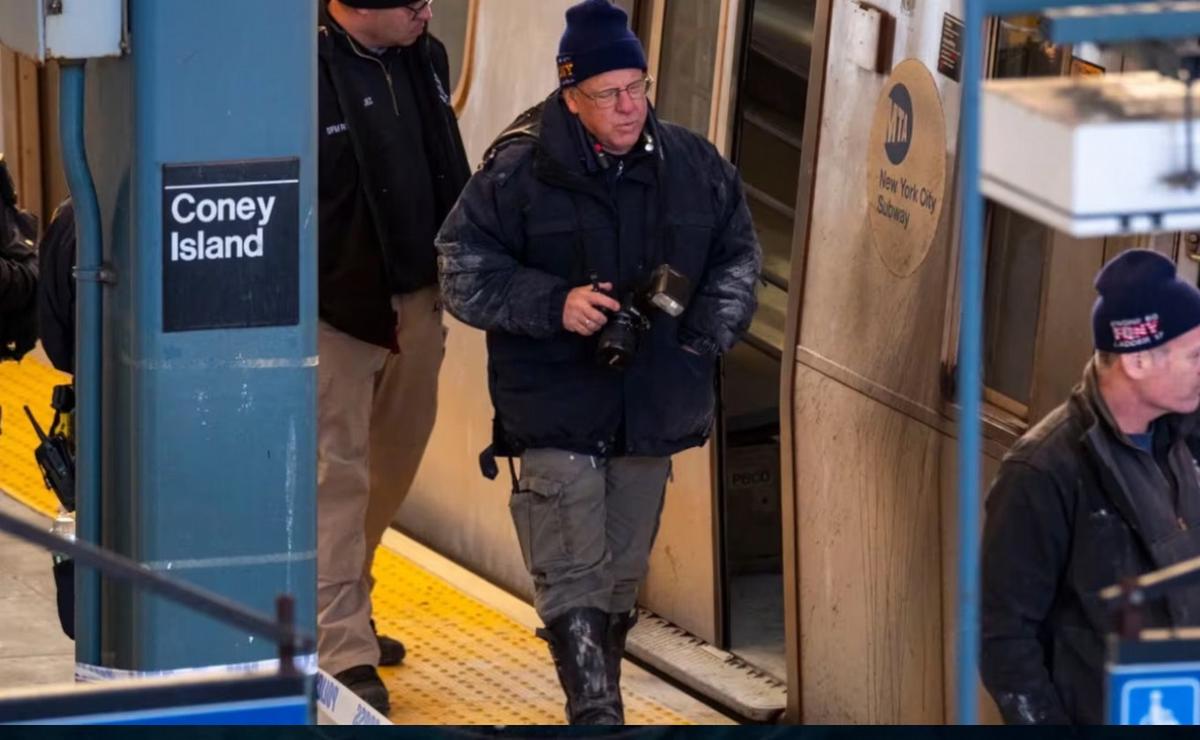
x: 1076, y: 508
x: 540, y: 218
x: 18, y: 273
x: 392, y: 164
x: 56, y: 289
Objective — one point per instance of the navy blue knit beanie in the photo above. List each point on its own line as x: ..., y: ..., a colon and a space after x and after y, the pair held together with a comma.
x: 597, y: 40
x: 1142, y: 303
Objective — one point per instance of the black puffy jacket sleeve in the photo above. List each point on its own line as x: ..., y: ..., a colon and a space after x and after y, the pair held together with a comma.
x: 18, y: 262
x: 1026, y: 541
x: 724, y: 302
x: 483, y: 283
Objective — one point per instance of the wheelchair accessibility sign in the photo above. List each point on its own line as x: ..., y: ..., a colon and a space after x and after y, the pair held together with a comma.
x: 1172, y: 697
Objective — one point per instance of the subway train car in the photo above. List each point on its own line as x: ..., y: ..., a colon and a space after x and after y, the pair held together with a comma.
x: 814, y: 536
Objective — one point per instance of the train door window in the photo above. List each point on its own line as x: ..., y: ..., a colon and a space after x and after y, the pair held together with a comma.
x: 451, y: 24
x: 1189, y: 257
x: 1016, y: 259
x: 687, y: 66
x: 769, y: 119
x: 1017, y: 248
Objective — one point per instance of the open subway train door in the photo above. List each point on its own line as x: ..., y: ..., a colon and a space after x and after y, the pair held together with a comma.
x: 768, y: 114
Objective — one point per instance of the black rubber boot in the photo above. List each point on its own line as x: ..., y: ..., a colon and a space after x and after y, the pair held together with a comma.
x: 578, y: 641
x: 614, y: 650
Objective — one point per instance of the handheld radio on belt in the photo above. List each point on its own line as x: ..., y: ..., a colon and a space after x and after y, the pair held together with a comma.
x: 55, y: 454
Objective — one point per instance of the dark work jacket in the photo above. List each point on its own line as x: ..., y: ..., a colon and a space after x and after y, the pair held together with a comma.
x: 391, y: 166
x: 539, y: 219
x: 1078, y: 507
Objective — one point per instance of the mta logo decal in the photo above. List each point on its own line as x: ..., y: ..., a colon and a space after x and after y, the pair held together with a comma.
x: 900, y: 125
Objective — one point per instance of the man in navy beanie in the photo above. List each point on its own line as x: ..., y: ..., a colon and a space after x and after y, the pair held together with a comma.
x: 1101, y: 490
x: 597, y: 377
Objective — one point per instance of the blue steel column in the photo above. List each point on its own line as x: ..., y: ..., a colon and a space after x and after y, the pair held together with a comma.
x: 210, y: 435
x: 970, y: 376
x: 88, y: 344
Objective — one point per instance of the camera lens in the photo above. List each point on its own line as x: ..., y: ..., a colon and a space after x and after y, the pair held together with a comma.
x: 619, y: 340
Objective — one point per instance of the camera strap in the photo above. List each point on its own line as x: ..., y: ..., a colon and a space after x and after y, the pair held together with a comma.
x: 489, y: 469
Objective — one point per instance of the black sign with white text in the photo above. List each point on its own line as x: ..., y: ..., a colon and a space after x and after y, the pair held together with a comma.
x: 950, y: 53
x: 231, y: 250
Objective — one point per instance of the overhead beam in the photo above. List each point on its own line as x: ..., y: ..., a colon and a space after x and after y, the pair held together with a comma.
x: 1021, y: 7
x: 1123, y: 23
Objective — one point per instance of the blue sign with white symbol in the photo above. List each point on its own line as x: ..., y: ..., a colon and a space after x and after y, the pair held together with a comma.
x: 1164, y: 694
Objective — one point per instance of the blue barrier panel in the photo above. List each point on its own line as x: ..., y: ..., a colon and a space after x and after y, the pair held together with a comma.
x: 244, y: 700
x: 1155, y: 683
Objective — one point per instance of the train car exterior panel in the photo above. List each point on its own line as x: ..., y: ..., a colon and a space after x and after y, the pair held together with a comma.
x: 871, y: 456
x: 857, y: 312
x: 870, y: 586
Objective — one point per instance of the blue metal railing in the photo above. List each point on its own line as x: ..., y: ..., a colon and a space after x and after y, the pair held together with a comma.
x: 970, y: 371
x: 88, y: 338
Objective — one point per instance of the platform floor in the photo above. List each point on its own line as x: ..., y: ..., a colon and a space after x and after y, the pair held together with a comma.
x: 33, y: 649
x: 472, y: 654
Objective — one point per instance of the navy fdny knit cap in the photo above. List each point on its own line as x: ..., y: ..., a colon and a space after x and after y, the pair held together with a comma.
x: 1142, y: 303
x: 597, y: 40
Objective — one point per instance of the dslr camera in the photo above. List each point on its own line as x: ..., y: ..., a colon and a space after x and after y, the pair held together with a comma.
x: 666, y: 290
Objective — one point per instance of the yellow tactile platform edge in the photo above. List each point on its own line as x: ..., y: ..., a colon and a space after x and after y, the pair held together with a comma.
x: 27, y: 383
x: 467, y: 663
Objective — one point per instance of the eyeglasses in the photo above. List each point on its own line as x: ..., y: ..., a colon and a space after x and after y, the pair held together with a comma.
x: 636, y: 91
x: 417, y: 7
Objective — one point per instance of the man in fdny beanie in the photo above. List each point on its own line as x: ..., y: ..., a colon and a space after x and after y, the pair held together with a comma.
x: 577, y: 208
x: 1102, y: 490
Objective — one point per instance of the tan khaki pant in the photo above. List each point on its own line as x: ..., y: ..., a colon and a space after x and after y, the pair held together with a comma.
x: 375, y: 413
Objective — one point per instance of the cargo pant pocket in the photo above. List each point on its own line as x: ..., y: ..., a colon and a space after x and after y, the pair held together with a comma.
x: 537, y: 512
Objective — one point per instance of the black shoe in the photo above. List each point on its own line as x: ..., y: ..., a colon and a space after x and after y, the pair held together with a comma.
x: 391, y: 650
x: 577, y: 644
x: 614, y: 650
x: 364, y: 681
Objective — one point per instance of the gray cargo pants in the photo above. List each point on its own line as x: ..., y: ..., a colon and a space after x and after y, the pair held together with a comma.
x: 586, y: 526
